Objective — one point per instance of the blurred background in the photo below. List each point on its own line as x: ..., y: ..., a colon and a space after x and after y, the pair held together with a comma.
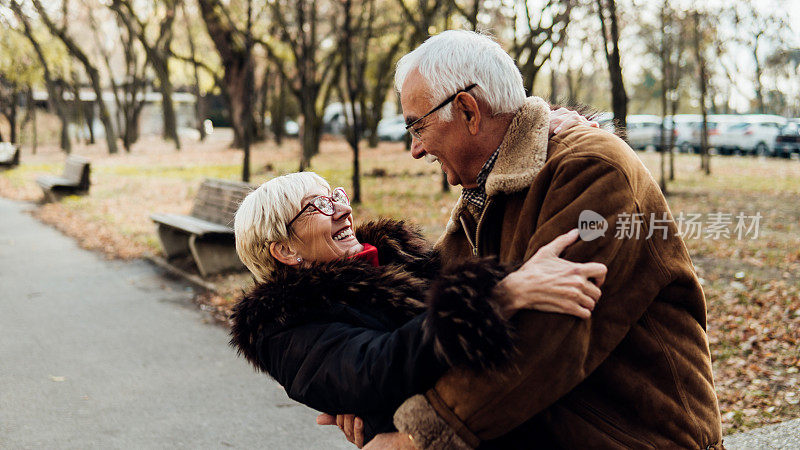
x: 162, y: 94
x: 117, y: 70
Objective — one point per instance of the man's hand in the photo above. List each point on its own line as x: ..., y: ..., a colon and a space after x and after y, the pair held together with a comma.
x: 563, y: 118
x: 551, y: 284
x: 351, y: 426
x: 391, y: 441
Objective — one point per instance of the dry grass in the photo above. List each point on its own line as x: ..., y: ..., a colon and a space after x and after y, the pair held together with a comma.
x: 752, y: 286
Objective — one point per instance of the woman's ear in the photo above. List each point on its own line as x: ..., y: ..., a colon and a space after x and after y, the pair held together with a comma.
x: 284, y: 253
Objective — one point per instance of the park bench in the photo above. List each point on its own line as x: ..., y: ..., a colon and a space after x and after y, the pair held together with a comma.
x: 9, y: 155
x: 206, y: 234
x: 74, y: 180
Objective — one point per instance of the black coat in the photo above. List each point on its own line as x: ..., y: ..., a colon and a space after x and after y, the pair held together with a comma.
x: 349, y: 338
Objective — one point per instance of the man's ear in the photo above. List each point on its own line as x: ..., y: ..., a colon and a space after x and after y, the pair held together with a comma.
x: 284, y: 253
x: 468, y: 107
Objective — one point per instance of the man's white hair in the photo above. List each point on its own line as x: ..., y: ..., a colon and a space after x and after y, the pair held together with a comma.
x: 263, y: 217
x: 454, y: 59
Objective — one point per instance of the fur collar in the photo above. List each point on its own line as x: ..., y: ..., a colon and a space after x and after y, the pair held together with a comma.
x: 390, y: 294
x: 523, y: 153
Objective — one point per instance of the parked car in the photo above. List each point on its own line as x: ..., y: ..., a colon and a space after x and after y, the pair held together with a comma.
x: 685, y: 126
x: 755, y: 135
x: 643, y: 131
x: 787, y: 142
x: 719, y: 136
x: 392, y: 129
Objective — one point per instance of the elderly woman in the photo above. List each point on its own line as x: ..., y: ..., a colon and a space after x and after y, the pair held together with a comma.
x: 356, y: 320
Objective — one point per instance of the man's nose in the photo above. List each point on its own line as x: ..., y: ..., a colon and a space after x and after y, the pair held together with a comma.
x: 417, y: 148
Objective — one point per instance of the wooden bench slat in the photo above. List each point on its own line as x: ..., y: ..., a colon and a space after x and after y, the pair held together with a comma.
x: 52, y: 181
x: 192, y: 225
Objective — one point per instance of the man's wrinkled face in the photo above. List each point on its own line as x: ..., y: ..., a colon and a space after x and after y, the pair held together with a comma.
x: 441, y: 141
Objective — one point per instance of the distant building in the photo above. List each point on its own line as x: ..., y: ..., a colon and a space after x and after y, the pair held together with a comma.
x: 151, y: 121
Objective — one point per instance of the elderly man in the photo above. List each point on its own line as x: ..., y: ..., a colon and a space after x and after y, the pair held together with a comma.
x: 638, y: 373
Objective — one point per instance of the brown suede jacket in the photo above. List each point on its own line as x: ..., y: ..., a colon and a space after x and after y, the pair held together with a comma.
x: 635, y: 375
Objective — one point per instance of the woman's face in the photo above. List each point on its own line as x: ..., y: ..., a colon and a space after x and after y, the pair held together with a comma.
x: 321, y: 238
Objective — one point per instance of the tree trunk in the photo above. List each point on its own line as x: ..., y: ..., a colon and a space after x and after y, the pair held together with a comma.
x: 705, y: 159
x: 12, y: 116
x: 199, y: 105
x: 10, y: 111
x: 77, y: 107
x: 31, y: 116
x: 312, y: 129
x: 758, y: 84
x: 239, y: 82
x: 277, y: 111
x: 160, y: 66
x: 671, y: 145
x: 263, y: 106
x: 619, y: 99
x: 88, y: 111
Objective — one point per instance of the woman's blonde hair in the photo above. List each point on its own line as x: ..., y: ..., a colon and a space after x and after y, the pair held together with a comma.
x: 263, y: 216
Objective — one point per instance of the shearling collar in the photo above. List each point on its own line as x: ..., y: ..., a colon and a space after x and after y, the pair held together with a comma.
x: 522, y: 155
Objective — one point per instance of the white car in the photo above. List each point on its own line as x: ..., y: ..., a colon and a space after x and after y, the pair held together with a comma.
x: 756, y: 134
x: 643, y: 131
x: 719, y: 135
x: 685, y: 126
x: 392, y: 129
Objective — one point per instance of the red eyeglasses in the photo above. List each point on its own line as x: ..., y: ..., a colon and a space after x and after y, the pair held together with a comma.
x: 324, y: 204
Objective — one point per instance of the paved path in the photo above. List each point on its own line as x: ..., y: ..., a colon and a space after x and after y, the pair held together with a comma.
x: 109, y: 354
x: 784, y: 435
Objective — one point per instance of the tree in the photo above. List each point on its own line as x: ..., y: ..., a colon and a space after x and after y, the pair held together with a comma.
x: 129, y: 95
x: 158, y: 54
x: 702, y: 81
x: 235, y: 49
x: 55, y: 86
x: 607, y: 12
x: 367, y: 73
x: 9, y: 103
x: 757, y: 26
x: 89, y: 68
x: 18, y: 72
x: 200, y: 109
x: 533, y: 46
x: 307, y: 59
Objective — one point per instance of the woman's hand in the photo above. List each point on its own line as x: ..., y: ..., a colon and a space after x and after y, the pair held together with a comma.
x: 551, y: 284
x: 351, y: 426
x: 563, y: 118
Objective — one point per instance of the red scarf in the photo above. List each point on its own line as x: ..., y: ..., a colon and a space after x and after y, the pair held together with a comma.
x: 369, y: 254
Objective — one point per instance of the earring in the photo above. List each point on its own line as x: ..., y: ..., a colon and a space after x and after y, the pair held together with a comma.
x: 299, y: 259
